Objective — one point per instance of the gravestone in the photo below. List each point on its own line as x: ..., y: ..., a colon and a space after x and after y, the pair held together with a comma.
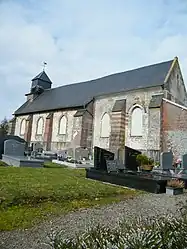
x: 184, y: 162
x: 7, y: 137
x: 166, y: 161
x: 14, y: 148
x: 37, y: 146
x: 100, y: 157
x: 130, y: 158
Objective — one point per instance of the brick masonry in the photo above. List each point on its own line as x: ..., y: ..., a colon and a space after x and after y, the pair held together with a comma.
x: 117, y: 137
x: 87, y: 127
x: 28, y: 128
x: 48, y: 131
x: 174, y: 128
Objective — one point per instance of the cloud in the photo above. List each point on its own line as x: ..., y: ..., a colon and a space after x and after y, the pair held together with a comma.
x: 81, y: 40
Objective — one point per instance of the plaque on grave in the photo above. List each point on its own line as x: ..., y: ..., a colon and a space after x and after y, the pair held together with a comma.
x: 166, y: 160
x: 100, y: 157
x: 111, y: 166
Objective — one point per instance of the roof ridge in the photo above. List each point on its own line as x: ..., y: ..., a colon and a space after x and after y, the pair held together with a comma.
x: 76, y: 94
x: 102, y: 77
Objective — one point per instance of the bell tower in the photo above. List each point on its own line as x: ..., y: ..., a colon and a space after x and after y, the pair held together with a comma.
x: 39, y: 84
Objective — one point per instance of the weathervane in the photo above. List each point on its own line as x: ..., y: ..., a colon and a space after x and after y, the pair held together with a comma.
x: 44, y: 65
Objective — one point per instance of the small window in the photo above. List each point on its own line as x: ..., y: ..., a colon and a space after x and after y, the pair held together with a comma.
x: 22, y: 127
x: 40, y: 126
x: 137, y: 122
x: 105, y: 125
x: 62, y: 125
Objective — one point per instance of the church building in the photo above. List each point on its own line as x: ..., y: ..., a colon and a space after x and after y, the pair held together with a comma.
x: 144, y: 109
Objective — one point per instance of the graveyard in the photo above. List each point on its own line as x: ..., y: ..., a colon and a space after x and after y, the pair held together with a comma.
x: 36, y: 184
x: 103, y: 166
x: 31, y: 195
x: 107, y: 169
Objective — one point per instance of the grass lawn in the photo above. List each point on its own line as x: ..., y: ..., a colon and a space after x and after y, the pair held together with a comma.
x: 29, y: 195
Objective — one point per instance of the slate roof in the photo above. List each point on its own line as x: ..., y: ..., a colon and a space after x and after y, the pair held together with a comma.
x: 42, y: 76
x: 79, y: 94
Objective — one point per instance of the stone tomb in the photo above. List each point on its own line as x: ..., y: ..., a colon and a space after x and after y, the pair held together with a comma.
x: 106, y: 170
x: 14, y: 155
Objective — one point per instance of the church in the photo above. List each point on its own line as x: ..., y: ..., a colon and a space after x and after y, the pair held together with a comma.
x: 143, y: 108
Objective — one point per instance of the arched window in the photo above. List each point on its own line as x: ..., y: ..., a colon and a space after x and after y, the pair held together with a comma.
x: 137, y: 122
x: 105, y: 125
x: 40, y: 126
x: 62, y: 125
x: 22, y: 127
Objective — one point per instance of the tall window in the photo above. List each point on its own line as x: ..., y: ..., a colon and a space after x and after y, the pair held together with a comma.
x: 62, y: 125
x: 105, y: 125
x: 137, y: 122
x: 22, y: 127
x: 40, y: 126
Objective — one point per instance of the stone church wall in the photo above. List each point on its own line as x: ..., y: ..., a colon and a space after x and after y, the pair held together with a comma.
x: 60, y: 141
x: 175, y: 87
x: 17, y: 131
x: 139, y: 98
x: 38, y: 137
x: 174, y: 128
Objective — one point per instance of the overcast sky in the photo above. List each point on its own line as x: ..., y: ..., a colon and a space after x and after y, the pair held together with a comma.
x: 81, y: 40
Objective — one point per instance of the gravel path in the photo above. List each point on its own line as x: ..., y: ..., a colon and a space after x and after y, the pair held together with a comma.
x: 148, y: 204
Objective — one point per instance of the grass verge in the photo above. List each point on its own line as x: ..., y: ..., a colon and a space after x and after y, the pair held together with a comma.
x: 28, y: 196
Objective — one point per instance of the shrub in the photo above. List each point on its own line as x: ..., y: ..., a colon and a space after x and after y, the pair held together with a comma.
x: 142, y: 159
x: 153, y: 233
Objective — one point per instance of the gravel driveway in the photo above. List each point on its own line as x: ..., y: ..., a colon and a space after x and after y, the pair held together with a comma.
x: 147, y: 204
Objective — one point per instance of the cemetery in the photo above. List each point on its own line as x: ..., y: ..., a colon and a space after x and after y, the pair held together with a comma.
x: 132, y: 175
x: 136, y: 171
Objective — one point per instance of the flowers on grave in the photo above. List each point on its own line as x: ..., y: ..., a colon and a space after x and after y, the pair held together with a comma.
x: 175, y: 183
x: 156, y: 164
x: 145, y: 162
x: 142, y: 159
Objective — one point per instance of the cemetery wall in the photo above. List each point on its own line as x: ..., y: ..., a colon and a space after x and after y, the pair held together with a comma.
x: 141, y: 97
x: 174, y: 128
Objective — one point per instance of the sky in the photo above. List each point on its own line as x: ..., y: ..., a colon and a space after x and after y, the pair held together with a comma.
x: 82, y: 40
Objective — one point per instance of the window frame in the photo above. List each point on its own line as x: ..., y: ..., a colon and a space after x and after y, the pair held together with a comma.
x: 59, y: 125
x: 101, y: 127
x: 40, y: 134
x: 133, y: 134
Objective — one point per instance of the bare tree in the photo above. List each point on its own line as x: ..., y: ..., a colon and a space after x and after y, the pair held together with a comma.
x: 4, y: 126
